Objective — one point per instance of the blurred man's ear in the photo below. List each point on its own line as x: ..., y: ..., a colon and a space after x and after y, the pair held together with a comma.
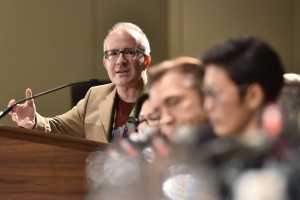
x: 255, y: 96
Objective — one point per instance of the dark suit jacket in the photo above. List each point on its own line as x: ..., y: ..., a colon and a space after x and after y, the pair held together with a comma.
x: 90, y: 118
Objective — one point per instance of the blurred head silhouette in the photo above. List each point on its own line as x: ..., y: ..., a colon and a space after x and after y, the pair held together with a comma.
x: 242, y: 75
x: 175, y: 90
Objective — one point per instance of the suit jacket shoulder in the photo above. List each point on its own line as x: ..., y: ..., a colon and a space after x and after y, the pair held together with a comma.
x: 90, y: 118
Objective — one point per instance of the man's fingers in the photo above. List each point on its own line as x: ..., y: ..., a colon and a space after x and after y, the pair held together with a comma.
x: 14, y: 117
x: 23, y: 122
x: 11, y: 102
x: 26, y: 123
x: 28, y: 94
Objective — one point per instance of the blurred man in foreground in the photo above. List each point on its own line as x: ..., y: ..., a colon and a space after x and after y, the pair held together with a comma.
x: 175, y: 88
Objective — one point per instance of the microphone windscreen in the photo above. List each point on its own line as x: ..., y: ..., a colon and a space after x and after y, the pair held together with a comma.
x: 189, y: 135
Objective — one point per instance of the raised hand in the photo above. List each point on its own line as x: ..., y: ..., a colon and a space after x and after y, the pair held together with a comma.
x: 24, y: 114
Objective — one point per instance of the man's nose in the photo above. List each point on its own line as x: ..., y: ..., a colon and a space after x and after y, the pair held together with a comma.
x: 166, y: 117
x: 121, y: 59
x: 208, y: 104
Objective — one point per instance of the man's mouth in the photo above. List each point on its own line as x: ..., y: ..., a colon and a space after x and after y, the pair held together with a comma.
x: 121, y: 71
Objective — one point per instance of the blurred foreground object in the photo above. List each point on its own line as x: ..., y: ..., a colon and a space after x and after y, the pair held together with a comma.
x: 189, y: 166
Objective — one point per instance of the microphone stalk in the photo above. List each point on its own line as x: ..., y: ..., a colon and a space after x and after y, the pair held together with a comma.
x: 8, y: 109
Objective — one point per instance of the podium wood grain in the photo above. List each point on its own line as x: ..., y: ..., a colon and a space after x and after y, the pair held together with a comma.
x: 43, y: 166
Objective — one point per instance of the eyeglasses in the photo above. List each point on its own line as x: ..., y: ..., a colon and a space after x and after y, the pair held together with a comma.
x: 150, y: 120
x: 215, y: 95
x: 129, y: 54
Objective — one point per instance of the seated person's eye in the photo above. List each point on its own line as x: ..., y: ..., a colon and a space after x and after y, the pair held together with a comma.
x: 141, y: 120
x: 154, y: 117
x: 208, y: 92
x: 174, y: 101
x: 212, y: 94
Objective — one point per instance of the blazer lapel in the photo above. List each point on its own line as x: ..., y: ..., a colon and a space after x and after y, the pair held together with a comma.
x: 106, y: 110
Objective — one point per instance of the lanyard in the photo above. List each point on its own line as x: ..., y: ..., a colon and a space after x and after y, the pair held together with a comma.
x: 124, y: 129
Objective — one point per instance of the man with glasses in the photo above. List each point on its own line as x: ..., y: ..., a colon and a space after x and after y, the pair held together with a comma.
x: 243, y: 79
x: 106, y: 112
x: 146, y: 114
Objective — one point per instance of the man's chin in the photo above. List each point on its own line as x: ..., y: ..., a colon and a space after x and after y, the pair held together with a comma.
x: 222, y: 133
x: 123, y: 83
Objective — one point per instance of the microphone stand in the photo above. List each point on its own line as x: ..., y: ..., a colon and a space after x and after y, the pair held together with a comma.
x: 8, y: 109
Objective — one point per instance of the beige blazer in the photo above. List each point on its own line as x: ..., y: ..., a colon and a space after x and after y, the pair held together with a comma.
x: 90, y: 118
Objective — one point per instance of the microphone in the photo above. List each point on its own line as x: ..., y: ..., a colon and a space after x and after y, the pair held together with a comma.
x: 8, y: 109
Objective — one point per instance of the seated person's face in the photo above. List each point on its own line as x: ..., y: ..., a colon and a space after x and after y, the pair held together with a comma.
x: 228, y: 113
x: 177, y: 102
x: 148, y: 116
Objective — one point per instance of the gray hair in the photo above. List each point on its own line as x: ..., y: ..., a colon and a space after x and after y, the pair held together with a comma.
x: 135, y: 31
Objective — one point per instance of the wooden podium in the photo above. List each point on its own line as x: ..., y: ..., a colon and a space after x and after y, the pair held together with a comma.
x: 43, y: 166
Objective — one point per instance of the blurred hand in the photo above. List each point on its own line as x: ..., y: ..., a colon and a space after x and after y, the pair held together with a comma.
x: 24, y: 114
